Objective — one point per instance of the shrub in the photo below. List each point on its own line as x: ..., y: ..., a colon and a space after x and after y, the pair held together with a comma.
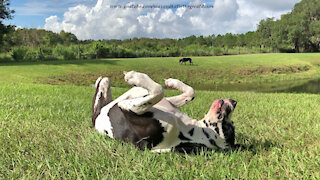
x: 217, y: 51
x: 64, y: 53
x: 18, y: 53
x: 5, y: 57
x: 32, y: 55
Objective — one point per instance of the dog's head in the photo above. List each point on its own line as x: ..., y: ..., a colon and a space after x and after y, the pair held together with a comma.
x: 220, y: 112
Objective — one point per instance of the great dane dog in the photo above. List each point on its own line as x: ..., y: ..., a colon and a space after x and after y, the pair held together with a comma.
x: 184, y: 60
x: 147, y: 119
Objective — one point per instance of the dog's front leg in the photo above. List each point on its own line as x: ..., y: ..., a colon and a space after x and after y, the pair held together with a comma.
x: 140, y: 105
x: 187, y: 95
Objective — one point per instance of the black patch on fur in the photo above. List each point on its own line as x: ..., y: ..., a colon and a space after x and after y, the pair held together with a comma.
x: 229, y: 132
x: 213, y: 124
x: 147, y: 114
x: 228, y: 110
x: 191, y: 132
x: 182, y: 137
x: 106, y: 132
x: 222, y: 102
x: 192, y: 99
x: 205, y: 122
x: 212, y: 142
x: 217, y: 130
x: 205, y: 133
x: 141, y: 130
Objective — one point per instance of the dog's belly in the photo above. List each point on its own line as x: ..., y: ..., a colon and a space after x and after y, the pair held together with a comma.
x: 141, y: 130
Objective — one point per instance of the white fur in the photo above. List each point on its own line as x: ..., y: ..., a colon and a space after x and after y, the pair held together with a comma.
x: 187, y: 92
x: 140, y: 105
x: 103, y: 123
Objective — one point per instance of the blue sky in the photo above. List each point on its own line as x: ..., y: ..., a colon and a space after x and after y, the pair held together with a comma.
x: 32, y: 13
x: 94, y: 19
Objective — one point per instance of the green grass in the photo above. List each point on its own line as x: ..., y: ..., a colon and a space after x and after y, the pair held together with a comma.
x: 206, y: 71
x: 45, y: 130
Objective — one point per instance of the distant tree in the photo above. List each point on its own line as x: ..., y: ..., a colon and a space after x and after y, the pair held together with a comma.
x: 5, y: 13
x: 230, y: 40
x: 298, y: 29
x: 51, y: 39
x: 200, y: 40
x: 264, y: 32
x: 210, y: 40
x: 68, y: 38
x: 251, y: 39
x: 315, y: 35
x: 219, y: 41
x: 241, y: 41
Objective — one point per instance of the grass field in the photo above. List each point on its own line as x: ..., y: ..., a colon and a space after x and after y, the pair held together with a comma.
x: 45, y: 129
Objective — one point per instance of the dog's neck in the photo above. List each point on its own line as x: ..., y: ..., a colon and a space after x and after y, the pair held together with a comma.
x: 204, y: 132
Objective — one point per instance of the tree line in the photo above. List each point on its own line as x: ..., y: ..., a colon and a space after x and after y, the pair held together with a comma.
x: 297, y: 31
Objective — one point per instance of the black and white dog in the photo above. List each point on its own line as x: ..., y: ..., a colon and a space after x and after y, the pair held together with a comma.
x: 184, y: 60
x: 147, y: 119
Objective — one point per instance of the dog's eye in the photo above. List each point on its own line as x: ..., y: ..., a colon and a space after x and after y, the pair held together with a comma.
x: 220, y: 116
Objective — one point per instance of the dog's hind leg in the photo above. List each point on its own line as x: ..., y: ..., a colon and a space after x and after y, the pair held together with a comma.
x: 187, y: 92
x: 101, y: 97
x: 140, y: 105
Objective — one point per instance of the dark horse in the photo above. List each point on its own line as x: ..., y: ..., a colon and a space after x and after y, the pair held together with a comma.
x: 184, y: 60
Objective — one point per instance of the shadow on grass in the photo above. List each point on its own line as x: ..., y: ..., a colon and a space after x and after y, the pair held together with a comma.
x: 312, y: 86
x: 254, y: 146
x: 77, y: 62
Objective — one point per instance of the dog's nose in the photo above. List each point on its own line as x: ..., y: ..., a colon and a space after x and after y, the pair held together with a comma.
x: 233, y: 102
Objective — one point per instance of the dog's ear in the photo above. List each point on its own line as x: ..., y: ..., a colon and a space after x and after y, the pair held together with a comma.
x: 216, y: 105
x: 233, y: 102
x: 125, y: 72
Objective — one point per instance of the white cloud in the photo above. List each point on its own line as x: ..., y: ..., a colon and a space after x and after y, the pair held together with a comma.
x: 103, y: 22
x: 53, y: 24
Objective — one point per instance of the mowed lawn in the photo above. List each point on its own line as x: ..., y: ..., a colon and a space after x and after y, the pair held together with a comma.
x: 45, y: 130
x: 206, y: 70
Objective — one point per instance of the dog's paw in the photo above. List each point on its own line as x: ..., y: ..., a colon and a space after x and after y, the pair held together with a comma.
x: 104, y: 84
x: 135, y: 78
x: 125, y: 105
x: 172, y: 83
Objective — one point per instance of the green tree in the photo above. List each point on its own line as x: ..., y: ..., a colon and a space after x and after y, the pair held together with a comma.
x: 264, y: 32
x: 230, y: 40
x: 51, y: 39
x: 5, y: 13
x: 68, y: 38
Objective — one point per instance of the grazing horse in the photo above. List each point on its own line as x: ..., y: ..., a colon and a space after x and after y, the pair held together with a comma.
x: 147, y: 119
x: 184, y: 60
